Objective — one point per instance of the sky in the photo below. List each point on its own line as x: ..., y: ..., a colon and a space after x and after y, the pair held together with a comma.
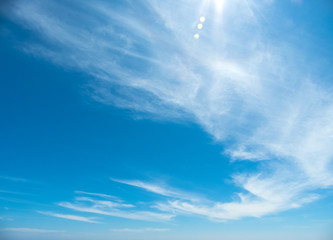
x: 189, y: 119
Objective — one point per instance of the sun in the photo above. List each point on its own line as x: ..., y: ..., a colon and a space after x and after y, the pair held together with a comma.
x: 219, y: 5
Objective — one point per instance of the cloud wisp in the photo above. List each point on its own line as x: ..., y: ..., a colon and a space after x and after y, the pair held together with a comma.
x: 14, y: 179
x: 115, y: 209
x: 159, y: 189
x: 139, y: 230
x: 30, y: 230
x: 96, y: 194
x: 245, y: 89
x: 69, y: 217
x: 261, y: 197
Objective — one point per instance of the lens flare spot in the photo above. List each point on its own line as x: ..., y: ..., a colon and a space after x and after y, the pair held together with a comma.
x: 200, y: 26
x: 196, y: 36
x: 202, y: 19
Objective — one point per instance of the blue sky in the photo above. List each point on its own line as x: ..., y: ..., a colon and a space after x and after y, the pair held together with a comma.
x: 202, y: 119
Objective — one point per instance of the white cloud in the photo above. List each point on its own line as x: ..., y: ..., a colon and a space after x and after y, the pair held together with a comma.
x: 14, y: 179
x: 96, y: 194
x: 241, y: 86
x: 104, y: 203
x: 109, y: 208
x: 159, y: 189
x: 138, y: 230
x: 264, y: 196
x: 11, y: 192
x: 30, y: 230
x: 69, y: 217
x: 242, y: 154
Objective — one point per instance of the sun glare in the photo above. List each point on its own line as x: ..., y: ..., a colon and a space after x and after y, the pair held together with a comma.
x: 219, y: 5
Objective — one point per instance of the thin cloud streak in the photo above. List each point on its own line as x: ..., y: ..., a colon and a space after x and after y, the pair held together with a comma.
x: 69, y: 217
x: 142, y: 230
x: 262, y: 199
x: 96, y: 194
x: 108, y: 208
x: 30, y: 230
x: 105, y: 203
x: 14, y: 179
x: 158, y: 189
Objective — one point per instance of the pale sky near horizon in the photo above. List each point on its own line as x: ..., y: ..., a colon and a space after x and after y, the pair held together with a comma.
x: 189, y: 119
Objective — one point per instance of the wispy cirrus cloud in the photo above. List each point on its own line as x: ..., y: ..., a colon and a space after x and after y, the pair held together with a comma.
x: 261, y: 202
x: 30, y: 230
x: 96, y: 194
x: 104, y: 203
x: 251, y: 93
x: 261, y: 197
x: 11, y: 192
x: 139, y: 230
x: 14, y: 179
x: 69, y: 217
x: 159, y: 189
x: 19, y: 180
x: 115, y: 209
